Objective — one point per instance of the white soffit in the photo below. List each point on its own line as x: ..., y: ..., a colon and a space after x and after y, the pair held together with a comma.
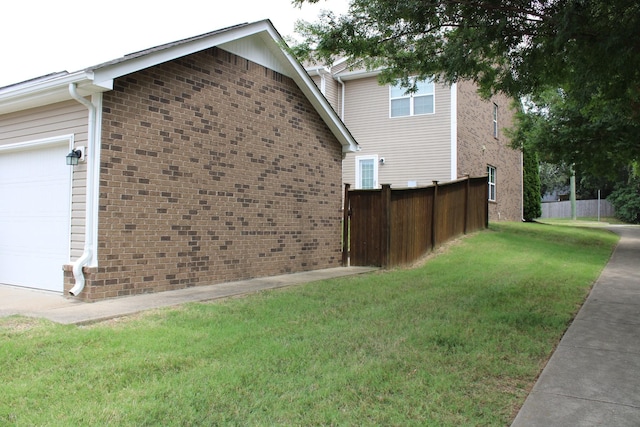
x: 256, y: 50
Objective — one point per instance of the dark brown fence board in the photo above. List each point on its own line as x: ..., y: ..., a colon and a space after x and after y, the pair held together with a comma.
x: 366, y: 237
x: 392, y: 227
x: 410, y: 224
x: 450, y: 211
x: 478, y: 204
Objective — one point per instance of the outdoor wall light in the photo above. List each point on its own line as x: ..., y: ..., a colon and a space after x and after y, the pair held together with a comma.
x: 74, y: 156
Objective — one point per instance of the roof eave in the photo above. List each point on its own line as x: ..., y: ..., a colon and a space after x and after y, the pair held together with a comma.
x: 100, y: 78
x: 46, y: 91
x: 357, y: 74
x: 319, y: 102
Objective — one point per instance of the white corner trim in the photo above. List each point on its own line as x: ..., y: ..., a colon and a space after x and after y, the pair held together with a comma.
x: 454, y: 131
x: 94, y: 152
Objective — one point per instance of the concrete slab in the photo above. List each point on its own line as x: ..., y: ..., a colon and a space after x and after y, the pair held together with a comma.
x: 604, y: 335
x: 549, y: 410
x: 64, y: 310
x: 593, y: 375
x: 603, y: 309
x: 15, y: 300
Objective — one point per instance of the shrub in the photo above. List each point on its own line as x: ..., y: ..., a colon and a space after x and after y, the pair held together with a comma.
x: 626, y: 201
x: 531, y: 191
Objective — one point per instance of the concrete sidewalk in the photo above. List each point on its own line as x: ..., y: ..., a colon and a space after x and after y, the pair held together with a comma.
x: 55, y: 307
x: 593, y: 377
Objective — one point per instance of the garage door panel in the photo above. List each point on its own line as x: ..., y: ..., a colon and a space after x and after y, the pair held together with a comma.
x: 34, y: 216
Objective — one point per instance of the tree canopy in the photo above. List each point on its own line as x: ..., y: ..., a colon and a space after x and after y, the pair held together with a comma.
x: 590, y: 49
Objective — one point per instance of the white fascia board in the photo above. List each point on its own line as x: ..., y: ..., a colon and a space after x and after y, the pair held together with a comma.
x: 357, y: 74
x: 291, y: 67
x: 318, y: 70
x: 108, y: 72
x: 36, y: 93
x: 322, y: 106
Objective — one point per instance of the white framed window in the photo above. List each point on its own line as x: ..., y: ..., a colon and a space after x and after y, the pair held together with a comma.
x: 491, y: 172
x: 422, y: 101
x: 495, y: 120
x: 366, y: 172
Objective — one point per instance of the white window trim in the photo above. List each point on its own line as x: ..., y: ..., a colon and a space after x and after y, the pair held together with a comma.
x: 492, y: 184
x: 359, y: 172
x: 411, y: 96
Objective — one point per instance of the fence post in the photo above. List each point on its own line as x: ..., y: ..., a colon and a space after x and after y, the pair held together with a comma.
x: 345, y: 227
x: 386, y: 225
x: 434, y: 211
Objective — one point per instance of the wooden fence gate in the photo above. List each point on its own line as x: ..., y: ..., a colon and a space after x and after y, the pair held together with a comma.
x: 389, y: 227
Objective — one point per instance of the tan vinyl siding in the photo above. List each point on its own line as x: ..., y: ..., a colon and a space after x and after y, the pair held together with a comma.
x: 50, y: 121
x: 45, y: 122
x: 331, y: 92
x: 317, y: 80
x: 415, y: 148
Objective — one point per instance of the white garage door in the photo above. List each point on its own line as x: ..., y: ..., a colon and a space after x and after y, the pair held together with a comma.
x: 34, y: 216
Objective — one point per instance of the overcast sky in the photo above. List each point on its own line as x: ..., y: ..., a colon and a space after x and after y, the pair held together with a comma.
x: 38, y: 37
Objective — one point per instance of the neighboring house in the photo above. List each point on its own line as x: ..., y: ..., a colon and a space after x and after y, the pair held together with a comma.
x: 205, y: 160
x: 439, y: 133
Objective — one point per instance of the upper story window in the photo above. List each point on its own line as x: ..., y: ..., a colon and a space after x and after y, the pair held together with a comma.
x: 402, y: 103
x: 495, y: 120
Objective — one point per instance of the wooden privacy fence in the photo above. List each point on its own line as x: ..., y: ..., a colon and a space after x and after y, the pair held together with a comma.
x: 389, y: 227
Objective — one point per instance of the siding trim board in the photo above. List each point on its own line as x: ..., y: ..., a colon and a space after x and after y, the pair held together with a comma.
x: 454, y: 131
x: 34, y: 144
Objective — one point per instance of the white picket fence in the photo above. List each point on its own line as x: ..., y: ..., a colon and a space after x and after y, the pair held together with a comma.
x: 584, y: 208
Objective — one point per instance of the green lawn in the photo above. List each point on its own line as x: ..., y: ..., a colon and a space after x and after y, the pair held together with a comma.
x: 582, y: 221
x: 458, y: 341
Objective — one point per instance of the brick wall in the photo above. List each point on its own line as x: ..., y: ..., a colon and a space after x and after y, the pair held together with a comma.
x: 477, y: 148
x: 213, y: 169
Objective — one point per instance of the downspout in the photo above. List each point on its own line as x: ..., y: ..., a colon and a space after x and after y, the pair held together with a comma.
x: 341, y: 98
x: 87, y: 254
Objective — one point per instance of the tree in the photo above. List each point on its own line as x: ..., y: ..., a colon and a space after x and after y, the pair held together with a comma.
x: 554, y: 178
x: 531, y: 193
x: 588, y: 48
x: 598, y: 136
x: 531, y: 208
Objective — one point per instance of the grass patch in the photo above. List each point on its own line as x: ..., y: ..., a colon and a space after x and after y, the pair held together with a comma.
x: 458, y: 341
x: 582, y: 221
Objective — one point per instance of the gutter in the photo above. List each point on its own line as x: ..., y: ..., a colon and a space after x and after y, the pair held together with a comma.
x: 87, y: 254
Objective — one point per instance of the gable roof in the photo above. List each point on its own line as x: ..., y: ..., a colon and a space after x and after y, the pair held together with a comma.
x: 258, y: 42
